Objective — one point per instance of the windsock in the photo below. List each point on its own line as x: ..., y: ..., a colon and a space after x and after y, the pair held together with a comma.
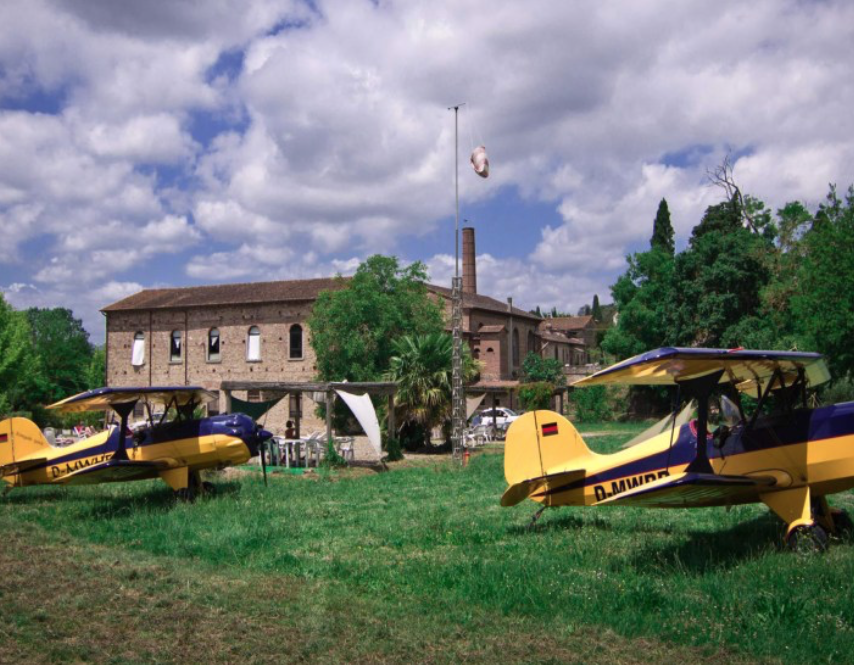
x: 480, y: 161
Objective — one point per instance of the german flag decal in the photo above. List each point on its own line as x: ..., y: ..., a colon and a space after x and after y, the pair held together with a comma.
x: 549, y: 429
x: 4, y: 438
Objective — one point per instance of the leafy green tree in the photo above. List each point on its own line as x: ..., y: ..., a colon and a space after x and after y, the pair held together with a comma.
x: 63, y: 350
x: 718, y: 280
x: 18, y: 365
x: 96, y: 375
x: 353, y: 329
x: 823, y: 300
x: 643, y: 296
x: 662, y: 230
x: 535, y: 369
x: 536, y: 395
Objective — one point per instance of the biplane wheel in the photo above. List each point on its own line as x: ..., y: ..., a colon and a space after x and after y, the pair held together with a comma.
x: 187, y: 495
x: 208, y: 488
x: 807, y: 538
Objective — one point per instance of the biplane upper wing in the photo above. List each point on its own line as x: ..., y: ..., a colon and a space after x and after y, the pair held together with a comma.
x: 541, y: 486
x: 103, y: 399
x: 691, y: 489
x: 115, y: 471
x: 745, y: 369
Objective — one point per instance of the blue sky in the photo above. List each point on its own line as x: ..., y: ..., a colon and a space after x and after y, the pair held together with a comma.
x: 172, y: 142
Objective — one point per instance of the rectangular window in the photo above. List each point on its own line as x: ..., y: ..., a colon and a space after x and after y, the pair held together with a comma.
x: 213, y: 345
x: 175, y: 347
x: 138, y: 354
x: 253, y: 348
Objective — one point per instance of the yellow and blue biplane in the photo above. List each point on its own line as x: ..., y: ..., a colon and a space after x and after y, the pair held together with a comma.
x: 784, y: 454
x: 175, y: 449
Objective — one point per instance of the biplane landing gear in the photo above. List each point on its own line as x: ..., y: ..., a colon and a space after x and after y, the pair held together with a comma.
x: 536, y: 517
x: 807, y: 538
x: 194, y: 488
x: 834, y: 521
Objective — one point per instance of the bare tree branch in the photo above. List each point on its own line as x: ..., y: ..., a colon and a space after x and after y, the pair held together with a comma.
x: 722, y: 176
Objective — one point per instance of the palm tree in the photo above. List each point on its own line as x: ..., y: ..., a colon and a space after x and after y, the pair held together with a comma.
x: 421, y: 368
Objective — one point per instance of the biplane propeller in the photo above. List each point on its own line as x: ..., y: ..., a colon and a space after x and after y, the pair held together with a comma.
x: 786, y: 455
x: 175, y: 450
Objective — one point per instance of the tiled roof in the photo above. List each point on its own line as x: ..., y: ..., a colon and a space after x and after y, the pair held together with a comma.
x: 266, y: 292
x: 478, y: 301
x: 227, y: 294
x: 567, y: 322
x: 490, y: 329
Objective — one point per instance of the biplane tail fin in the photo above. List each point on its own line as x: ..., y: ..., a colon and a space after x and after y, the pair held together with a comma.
x: 19, y: 438
x: 543, y: 443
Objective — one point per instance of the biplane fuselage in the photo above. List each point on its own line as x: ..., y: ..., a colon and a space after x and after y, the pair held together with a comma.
x: 170, y: 450
x: 790, y: 458
x: 812, y: 448
x: 176, y: 451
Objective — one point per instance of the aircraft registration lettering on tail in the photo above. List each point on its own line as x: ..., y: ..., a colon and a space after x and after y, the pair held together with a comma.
x: 781, y: 452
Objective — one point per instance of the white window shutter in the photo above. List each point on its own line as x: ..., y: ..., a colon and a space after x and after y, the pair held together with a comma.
x: 138, y: 356
x: 253, y: 351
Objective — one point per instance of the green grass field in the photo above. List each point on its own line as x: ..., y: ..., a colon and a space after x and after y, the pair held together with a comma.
x: 418, y: 564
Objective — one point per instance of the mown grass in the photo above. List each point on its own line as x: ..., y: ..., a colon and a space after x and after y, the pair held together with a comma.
x: 427, y: 543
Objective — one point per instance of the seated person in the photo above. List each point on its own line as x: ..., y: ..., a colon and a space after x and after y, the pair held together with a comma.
x: 290, y: 431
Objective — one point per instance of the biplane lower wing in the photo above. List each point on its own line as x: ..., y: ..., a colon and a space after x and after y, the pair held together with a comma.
x: 691, y: 489
x: 115, y: 471
x: 534, y: 487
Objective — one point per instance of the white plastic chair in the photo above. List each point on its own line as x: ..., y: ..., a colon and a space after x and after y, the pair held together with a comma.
x: 346, y: 447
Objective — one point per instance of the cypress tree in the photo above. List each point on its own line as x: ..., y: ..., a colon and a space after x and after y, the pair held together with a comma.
x: 662, y: 230
x: 597, y: 309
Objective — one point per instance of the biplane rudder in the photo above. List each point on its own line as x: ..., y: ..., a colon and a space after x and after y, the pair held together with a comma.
x: 540, y: 443
x: 19, y: 438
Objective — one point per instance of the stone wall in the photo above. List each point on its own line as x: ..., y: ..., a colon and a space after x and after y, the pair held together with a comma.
x: 274, y: 322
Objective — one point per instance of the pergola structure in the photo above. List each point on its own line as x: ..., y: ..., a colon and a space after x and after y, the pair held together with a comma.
x: 327, y: 388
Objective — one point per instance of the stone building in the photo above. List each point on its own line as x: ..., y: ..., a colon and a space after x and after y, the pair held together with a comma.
x: 204, y: 335
x: 257, y: 332
x: 580, y: 331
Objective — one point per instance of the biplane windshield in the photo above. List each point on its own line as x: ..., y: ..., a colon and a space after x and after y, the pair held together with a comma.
x: 748, y: 371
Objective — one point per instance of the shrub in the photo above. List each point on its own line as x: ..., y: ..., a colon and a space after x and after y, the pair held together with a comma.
x: 536, y: 395
x: 393, y: 450
x: 332, y: 459
x: 841, y: 390
x: 591, y: 404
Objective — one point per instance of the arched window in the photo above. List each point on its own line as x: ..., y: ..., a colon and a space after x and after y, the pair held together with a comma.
x: 213, y: 345
x: 137, y: 357
x: 253, y: 345
x: 532, y: 342
x: 176, y: 347
x: 515, y: 347
x: 295, y: 338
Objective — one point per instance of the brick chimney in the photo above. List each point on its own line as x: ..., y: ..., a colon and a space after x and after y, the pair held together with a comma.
x: 469, y: 267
